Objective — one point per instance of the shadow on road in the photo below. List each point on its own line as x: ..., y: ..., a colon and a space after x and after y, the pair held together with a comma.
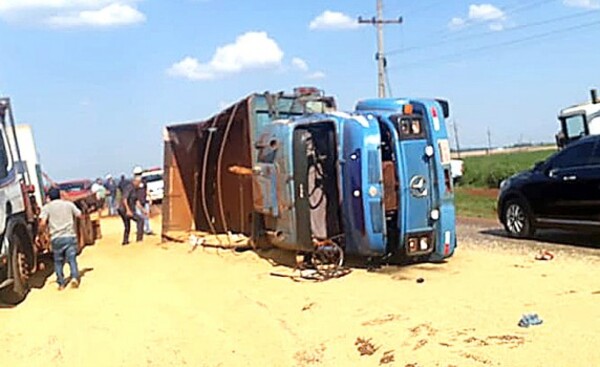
x: 45, y: 271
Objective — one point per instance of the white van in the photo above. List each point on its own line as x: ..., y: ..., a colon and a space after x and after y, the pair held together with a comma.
x: 153, y: 178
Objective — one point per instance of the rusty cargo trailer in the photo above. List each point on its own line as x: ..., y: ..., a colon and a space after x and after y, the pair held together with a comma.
x: 208, y: 164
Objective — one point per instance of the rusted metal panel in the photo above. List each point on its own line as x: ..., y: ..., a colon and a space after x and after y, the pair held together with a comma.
x: 390, y: 186
x: 180, y: 161
x: 202, y: 191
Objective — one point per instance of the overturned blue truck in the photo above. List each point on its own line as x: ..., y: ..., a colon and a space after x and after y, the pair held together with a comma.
x: 290, y: 171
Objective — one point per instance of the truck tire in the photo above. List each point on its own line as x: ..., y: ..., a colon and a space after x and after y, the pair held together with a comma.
x: 19, y: 265
x: 88, y: 228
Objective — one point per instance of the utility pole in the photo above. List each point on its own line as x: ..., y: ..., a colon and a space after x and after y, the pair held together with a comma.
x: 379, y: 22
x: 455, y: 127
x: 489, y: 136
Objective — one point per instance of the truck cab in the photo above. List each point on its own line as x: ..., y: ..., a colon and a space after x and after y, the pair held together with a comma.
x: 417, y: 176
x: 376, y: 182
x: 579, y: 121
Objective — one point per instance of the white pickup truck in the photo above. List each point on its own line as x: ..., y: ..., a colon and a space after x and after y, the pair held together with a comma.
x: 457, y: 167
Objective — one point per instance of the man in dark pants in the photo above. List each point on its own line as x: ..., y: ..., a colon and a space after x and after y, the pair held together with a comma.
x: 128, y: 210
x: 60, y: 217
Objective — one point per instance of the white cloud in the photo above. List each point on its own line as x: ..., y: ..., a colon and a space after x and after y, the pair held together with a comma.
x: 585, y: 4
x: 299, y: 64
x: 456, y: 23
x: 302, y: 65
x: 317, y: 75
x: 20, y: 5
x: 485, y: 12
x: 110, y: 15
x: 72, y: 13
x: 251, y: 50
x: 497, y: 27
x: 333, y: 20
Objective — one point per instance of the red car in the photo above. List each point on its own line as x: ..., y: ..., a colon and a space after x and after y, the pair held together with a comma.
x: 80, y: 192
x: 74, y: 190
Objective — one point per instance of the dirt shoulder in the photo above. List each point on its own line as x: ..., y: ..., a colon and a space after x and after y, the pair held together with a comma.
x: 155, y: 304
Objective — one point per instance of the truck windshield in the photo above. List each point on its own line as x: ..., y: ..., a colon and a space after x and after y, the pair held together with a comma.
x: 575, y: 126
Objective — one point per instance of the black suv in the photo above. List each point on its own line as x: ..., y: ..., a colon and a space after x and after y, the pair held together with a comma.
x: 563, y: 192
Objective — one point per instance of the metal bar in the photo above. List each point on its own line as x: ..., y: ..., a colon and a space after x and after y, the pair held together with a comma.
x: 219, y: 169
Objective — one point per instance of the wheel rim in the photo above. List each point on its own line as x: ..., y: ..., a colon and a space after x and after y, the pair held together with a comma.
x: 23, y: 266
x: 515, y: 218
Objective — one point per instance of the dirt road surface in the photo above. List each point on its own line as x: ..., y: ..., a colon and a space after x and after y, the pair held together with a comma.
x: 152, y: 304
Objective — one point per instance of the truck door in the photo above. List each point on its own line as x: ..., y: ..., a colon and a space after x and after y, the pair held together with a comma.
x: 362, y: 187
x: 417, y: 190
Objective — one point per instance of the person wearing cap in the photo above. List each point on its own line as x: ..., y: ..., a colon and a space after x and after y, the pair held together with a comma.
x: 111, y: 188
x: 128, y: 209
x: 59, y: 216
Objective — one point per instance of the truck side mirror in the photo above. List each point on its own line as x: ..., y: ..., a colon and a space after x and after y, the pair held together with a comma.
x: 445, y: 107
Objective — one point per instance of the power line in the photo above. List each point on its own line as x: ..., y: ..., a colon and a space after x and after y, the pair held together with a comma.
x: 389, y: 85
x: 503, y: 44
x: 488, y: 33
x: 507, y: 10
x: 510, y: 10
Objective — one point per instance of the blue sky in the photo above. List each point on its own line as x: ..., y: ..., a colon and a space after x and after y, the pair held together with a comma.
x: 98, y: 79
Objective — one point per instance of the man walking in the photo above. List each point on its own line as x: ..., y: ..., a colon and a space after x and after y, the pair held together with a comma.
x: 60, y: 215
x: 128, y: 210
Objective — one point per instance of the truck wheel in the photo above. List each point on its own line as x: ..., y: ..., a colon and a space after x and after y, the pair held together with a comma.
x: 88, y: 226
x: 17, y: 292
x: 517, y: 219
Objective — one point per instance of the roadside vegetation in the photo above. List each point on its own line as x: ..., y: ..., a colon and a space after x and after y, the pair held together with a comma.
x: 476, y: 195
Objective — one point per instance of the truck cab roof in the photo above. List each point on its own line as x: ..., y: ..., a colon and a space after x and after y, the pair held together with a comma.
x: 581, y: 109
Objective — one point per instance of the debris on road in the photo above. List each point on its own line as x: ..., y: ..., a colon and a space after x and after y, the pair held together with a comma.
x: 308, y: 306
x: 420, y: 280
x: 223, y: 242
x: 388, y: 357
x: 314, y: 275
x: 365, y: 347
x: 544, y: 256
x: 530, y: 320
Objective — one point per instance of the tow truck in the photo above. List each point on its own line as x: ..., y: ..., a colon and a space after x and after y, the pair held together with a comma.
x: 579, y: 121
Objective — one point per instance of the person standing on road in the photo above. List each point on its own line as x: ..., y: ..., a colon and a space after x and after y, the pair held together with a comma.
x: 111, y: 188
x: 142, y: 195
x: 60, y: 215
x: 128, y: 210
x: 100, y: 191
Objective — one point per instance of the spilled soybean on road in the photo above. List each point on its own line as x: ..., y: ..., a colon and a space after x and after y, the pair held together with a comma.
x: 154, y: 304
